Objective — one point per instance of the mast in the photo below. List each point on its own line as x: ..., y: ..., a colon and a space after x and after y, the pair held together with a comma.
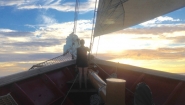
x: 76, y: 16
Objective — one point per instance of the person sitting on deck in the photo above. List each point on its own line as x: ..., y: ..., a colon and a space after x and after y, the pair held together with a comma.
x: 82, y: 62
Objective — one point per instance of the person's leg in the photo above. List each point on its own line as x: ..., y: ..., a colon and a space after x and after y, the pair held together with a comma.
x: 85, y: 76
x: 80, y: 77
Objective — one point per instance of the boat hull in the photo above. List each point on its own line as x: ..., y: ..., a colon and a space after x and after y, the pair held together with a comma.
x: 49, y: 85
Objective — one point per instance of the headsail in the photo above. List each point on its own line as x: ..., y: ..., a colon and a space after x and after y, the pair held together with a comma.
x: 114, y: 15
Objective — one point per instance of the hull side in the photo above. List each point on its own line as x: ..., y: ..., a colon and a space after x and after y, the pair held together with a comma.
x: 167, y: 88
x: 48, y: 87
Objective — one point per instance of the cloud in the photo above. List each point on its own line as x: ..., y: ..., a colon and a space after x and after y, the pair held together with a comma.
x: 15, y: 34
x: 47, y: 38
x: 8, y: 68
x: 16, y: 57
x: 36, y: 43
x: 6, y: 30
x: 165, y: 18
x: 29, y: 45
x: 46, y: 20
x: 11, y: 2
x: 157, y: 21
x: 169, y: 29
x: 144, y: 38
x: 58, y: 5
x: 178, y: 39
x: 62, y: 30
x: 37, y: 46
x: 147, y: 54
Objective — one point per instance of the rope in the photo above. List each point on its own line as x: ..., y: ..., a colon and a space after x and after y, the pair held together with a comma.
x: 93, y: 25
x: 97, y: 46
x: 76, y: 15
x: 110, y: 75
x: 101, y: 88
x: 102, y: 69
x: 69, y: 90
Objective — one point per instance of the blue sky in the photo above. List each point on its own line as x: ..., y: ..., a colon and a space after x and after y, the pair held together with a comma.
x: 34, y: 31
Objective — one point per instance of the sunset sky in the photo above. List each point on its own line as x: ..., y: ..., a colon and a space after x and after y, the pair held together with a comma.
x: 32, y: 31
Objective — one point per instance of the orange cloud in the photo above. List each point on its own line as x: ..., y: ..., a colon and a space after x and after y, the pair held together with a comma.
x: 154, y: 30
x: 8, y: 68
x: 147, y: 54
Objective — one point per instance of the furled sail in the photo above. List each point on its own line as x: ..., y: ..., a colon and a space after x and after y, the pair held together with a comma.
x: 114, y: 15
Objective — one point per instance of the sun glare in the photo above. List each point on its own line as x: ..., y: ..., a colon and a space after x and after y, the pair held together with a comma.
x: 113, y: 43
x: 159, y: 65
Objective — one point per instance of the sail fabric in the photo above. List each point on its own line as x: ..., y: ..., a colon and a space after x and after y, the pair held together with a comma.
x: 114, y: 15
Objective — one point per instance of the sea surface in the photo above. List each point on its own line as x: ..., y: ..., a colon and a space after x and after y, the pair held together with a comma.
x: 159, y: 65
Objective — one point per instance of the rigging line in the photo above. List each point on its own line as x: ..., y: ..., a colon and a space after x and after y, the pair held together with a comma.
x: 76, y: 15
x: 69, y: 90
x: 110, y: 76
x: 97, y: 46
x: 77, y: 11
x: 101, y: 5
x: 93, y: 26
x: 101, y: 69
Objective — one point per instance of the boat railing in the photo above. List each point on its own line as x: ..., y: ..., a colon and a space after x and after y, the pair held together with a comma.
x: 109, y: 75
x: 59, y: 59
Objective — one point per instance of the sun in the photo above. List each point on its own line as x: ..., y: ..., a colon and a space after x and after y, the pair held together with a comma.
x: 113, y: 43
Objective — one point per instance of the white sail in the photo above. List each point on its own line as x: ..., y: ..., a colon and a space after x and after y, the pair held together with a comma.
x: 72, y: 43
x: 114, y: 15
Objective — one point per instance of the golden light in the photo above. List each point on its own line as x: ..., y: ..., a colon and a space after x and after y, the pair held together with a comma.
x: 113, y: 43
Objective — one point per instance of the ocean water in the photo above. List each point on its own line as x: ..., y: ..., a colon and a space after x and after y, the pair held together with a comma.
x: 171, y: 66
x: 176, y: 66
